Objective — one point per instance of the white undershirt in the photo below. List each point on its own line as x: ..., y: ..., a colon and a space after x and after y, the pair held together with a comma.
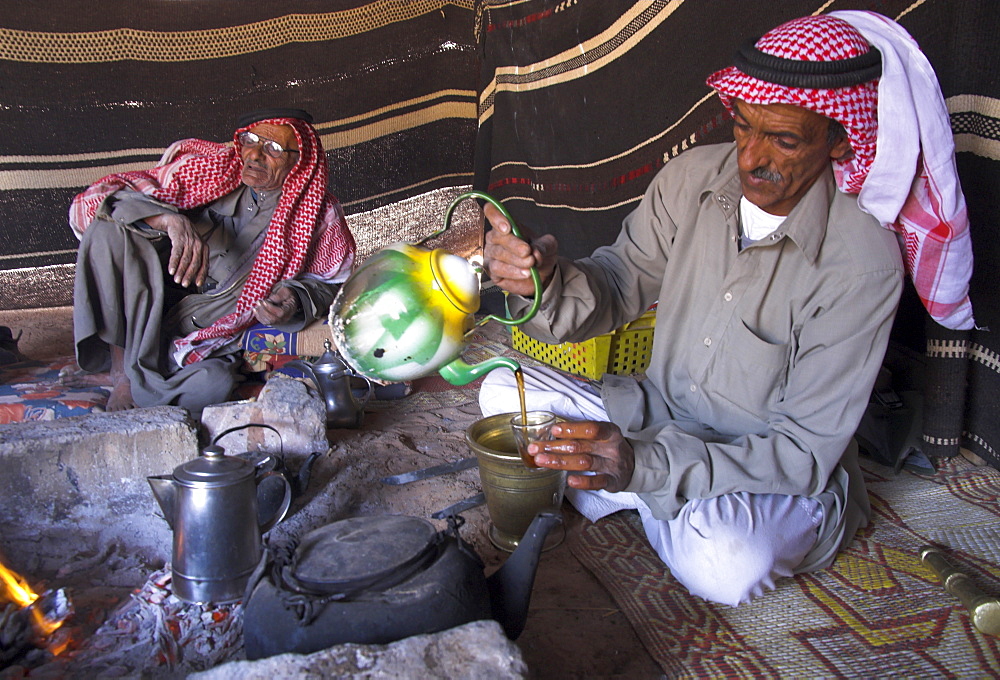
x: 757, y: 223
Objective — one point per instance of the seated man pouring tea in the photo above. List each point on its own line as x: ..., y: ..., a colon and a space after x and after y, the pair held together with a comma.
x: 175, y: 262
x: 776, y: 286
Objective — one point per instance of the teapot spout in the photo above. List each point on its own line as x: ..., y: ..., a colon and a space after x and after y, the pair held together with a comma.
x: 459, y: 373
x: 510, y: 586
x: 166, y: 495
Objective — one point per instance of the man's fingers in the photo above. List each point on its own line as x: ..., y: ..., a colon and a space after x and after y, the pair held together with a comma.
x: 509, y: 249
x: 580, y: 462
x: 502, y: 271
x: 189, y: 265
x: 267, y: 312
x: 584, y: 429
x: 278, y: 307
x: 496, y: 218
x: 588, y: 482
x: 180, y: 260
x: 187, y: 253
x: 199, y: 277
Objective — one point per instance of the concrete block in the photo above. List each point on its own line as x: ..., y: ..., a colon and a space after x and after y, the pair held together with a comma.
x: 287, y: 404
x: 100, y: 461
x: 475, y: 651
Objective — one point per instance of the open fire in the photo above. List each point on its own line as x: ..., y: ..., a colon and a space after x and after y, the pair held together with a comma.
x: 29, y: 620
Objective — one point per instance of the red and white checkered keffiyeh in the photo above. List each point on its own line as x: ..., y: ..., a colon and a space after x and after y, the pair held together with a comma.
x: 903, y: 166
x: 307, y: 235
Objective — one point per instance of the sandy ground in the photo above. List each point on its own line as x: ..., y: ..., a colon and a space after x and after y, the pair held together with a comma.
x: 574, y: 628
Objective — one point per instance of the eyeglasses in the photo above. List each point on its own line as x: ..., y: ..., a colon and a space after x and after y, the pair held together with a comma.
x: 271, y: 147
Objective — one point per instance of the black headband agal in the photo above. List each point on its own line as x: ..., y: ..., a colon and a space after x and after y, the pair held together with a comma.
x: 811, y: 74
x: 263, y: 114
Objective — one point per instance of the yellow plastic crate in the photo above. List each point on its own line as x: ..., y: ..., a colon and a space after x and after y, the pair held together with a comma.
x: 623, y: 351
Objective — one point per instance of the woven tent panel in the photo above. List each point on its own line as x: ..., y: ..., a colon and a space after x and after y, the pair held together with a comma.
x: 962, y: 397
x: 581, y: 103
x: 391, y: 86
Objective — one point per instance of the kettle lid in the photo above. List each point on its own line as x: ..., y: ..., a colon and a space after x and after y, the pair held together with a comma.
x: 214, y: 468
x: 363, y: 553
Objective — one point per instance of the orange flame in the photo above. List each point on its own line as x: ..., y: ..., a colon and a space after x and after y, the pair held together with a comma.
x: 20, y: 593
x: 17, y: 588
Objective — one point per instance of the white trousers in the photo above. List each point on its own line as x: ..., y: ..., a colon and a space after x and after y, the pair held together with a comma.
x: 728, y: 549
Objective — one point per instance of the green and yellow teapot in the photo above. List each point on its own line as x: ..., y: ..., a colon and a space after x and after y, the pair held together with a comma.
x: 406, y: 311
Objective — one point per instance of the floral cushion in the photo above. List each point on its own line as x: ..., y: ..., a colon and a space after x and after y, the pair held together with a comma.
x: 36, y: 390
x: 266, y: 348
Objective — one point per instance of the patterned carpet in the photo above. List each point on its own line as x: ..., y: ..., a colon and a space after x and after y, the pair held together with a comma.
x: 877, y: 612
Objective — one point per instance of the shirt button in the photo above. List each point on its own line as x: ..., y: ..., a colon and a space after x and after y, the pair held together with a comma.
x: 708, y: 342
x: 775, y: 236
x: 694, y: 388
x: 728, y: 297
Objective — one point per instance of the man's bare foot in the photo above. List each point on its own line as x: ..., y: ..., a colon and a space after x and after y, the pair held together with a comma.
x: 121, y: 387
x: 121, y: 396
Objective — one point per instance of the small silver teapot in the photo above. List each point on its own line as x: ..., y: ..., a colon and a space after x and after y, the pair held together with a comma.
x: 333, y: 378
x: 213, y: 505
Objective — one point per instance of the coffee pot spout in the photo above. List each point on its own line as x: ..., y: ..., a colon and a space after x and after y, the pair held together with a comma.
x: 165, y: 491
x: 510, y: 586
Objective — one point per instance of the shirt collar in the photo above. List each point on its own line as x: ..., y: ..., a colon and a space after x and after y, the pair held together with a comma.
x: 805, y: 225
x: 231, y: 203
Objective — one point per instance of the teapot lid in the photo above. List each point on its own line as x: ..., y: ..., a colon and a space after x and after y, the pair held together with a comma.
x: 331, y: 360
x: 213, y: 468
x: 363, y: 553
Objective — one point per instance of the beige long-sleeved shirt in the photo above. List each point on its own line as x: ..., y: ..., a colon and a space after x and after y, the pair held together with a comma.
x: 763, y: 358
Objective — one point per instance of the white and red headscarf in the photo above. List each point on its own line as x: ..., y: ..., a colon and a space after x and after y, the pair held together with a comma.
x: 307, y: 235
x: 903, y: 167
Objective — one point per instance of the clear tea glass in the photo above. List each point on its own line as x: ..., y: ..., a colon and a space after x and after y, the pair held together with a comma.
x: 537, y: 427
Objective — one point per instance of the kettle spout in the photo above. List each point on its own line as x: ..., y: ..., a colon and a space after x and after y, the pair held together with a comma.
x: 166, y: 495
x: 305, y: 367
x: 510, y: 586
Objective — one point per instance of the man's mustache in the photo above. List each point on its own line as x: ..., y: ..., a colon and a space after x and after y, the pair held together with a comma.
x: 766, y: 175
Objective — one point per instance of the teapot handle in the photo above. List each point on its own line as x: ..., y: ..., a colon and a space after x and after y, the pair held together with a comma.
x: 371, y: 388
x: 535, y: 278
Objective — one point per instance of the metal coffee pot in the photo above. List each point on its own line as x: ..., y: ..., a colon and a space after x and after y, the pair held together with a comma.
x: 406, y: 311
x: 213, y: 505
x: 333, y: 379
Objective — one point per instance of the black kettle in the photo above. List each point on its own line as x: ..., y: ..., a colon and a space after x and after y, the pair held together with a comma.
x: 378, y: 579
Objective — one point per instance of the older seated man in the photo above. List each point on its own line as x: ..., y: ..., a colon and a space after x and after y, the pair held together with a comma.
x: 776, y: 289
x: 175, y: 262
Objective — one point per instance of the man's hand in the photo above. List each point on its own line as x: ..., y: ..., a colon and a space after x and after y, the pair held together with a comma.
x: 278, y: 308
x: 588, y: 446
x: 188, y: 254
x: 508, y: 259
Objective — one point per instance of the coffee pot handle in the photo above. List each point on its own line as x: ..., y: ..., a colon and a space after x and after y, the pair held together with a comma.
x: 274, y: 497
x: 535, y: 278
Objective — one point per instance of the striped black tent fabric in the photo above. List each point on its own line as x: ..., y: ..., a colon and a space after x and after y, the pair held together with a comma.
x: 581, y: 102
x: 391, y: 86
